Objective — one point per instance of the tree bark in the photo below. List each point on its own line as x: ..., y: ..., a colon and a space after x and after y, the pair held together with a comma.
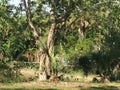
x: 82, y: 30
x: 42, y: 73
x: 29, y: 19
x: 50, y: 42
x: 40, y: 53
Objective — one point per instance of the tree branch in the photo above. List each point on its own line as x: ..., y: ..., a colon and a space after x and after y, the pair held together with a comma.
x: 29, y: 20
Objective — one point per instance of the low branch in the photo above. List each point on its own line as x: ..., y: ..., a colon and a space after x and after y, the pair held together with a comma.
x: 29, y: 20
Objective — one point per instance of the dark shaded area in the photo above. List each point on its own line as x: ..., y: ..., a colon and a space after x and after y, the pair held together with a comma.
x: 105, y: 61
x: 102, y: 88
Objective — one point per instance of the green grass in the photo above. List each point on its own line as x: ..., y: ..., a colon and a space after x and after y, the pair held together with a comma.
x: 59, y: 86
x: 25, y: 83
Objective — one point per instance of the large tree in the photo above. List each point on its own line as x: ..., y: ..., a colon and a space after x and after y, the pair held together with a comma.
x: 49, y: 47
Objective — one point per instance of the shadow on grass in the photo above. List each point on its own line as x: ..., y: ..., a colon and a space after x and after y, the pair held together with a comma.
x: 102, y: 88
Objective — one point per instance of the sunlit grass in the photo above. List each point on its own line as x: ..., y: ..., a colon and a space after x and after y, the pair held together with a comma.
x: 60, y: 86
x: 83, y: 84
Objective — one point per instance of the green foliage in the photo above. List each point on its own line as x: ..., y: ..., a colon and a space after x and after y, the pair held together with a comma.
x: 8, y: 70
x: 15, y: 36
x: 99, y: 49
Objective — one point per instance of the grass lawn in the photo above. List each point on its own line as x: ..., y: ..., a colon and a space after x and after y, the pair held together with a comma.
x: 59, y: 86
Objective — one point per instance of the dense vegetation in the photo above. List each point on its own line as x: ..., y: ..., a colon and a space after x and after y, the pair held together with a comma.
x: 80, y: 34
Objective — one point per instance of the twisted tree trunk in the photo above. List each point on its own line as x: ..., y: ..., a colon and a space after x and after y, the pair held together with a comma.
x: 50, y: 42
x: 40, y: 55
